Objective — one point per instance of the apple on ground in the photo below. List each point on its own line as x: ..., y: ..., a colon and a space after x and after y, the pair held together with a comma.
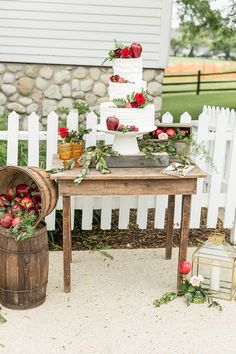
x: 137, y: 49
x: 185, y: 267
x: 112, y: 123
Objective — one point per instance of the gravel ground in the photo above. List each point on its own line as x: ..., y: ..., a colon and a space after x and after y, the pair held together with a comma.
x: 110, y: 311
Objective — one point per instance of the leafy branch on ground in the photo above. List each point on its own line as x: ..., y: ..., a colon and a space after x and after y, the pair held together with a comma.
x: 192, y: 293
x: 165, y: 299
x: 2, y: 319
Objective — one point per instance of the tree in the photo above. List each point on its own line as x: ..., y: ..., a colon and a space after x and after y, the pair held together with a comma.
x: 177, y: 45
x: 224, y: 45
x: 197, y: 21
x: 225, y: 41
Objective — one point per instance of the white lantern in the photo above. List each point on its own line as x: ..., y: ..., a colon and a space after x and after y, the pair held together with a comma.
x: 215, y: 260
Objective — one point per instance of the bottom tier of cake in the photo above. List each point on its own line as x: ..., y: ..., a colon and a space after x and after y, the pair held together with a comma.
x: 142, y: 118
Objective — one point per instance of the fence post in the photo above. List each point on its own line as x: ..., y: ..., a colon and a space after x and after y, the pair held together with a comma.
x: 198, y: 81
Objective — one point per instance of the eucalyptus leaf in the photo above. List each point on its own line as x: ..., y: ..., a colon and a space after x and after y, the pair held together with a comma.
x: 2, y: 319
x: 165, y: 299
x: 189, y: 297
x: 106, y: 254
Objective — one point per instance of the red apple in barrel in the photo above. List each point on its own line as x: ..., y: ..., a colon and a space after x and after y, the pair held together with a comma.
x: 11, y: 192
x: 38, y: 206
x: 137, y: 49
x: 36, y: 194
x: 5, y: 199
x: 6, y: 221
x: 27, y: 203
x: 33, y: 211
x: 2, y: 205
x: 16, y: 222
x: 16, y: 200
x: 22, y: 190
x: 112, y: 123
x: 16, y: 209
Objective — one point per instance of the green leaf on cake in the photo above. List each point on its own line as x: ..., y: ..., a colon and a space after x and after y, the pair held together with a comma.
x: 119, y: 102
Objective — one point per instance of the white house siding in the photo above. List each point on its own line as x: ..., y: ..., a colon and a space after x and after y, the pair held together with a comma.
x: 81, y: 32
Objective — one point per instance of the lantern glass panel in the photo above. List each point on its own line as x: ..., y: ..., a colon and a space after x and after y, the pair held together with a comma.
x: 216, y: 262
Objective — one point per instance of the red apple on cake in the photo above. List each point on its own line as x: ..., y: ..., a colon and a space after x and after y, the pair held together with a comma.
x: 112, y: 123
x: 136, y: 49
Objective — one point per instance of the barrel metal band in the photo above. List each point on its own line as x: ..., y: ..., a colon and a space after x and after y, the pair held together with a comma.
x: 23, y: 291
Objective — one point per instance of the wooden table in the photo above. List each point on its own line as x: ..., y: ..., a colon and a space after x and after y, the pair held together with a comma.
x: 128, y: 181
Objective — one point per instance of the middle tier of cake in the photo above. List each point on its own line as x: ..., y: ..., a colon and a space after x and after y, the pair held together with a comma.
x: 142, y: 118
x: 121, y: 90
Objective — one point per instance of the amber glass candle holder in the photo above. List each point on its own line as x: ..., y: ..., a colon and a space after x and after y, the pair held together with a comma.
x: 64, y: 152
x: 77, y: 149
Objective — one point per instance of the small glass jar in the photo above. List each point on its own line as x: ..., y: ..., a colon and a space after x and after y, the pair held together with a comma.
x: 64, y: 152
x: 77, y: 149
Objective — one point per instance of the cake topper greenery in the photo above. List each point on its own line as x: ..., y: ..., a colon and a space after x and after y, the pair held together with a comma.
x: 134, y: 100
x: 122, y: 51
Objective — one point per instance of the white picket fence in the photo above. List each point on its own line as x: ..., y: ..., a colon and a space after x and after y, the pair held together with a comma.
x: 215, y: 128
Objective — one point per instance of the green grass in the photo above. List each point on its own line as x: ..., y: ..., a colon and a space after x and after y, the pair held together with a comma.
x: 177, y: 104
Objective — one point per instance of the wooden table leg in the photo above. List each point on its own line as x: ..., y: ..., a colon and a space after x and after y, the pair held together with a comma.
x: 70, y: 235
x: 170, y: 225
x: 66, y: 243
x: 184, y: 232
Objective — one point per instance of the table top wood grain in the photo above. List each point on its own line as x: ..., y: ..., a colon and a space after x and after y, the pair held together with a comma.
x: 122, y: 173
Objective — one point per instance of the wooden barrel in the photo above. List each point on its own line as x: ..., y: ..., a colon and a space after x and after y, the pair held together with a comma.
x: 11, y: 176
x: 24, y: 269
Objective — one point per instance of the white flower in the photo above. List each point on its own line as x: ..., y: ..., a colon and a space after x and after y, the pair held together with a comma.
x: 200, y: 277
x: 196, y: 280
x: 163, y: 136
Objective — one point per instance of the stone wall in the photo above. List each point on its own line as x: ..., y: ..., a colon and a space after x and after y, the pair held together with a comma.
x: 27, y: 88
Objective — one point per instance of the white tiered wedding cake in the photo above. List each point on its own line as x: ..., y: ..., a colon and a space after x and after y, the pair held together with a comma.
x: 128, y: 98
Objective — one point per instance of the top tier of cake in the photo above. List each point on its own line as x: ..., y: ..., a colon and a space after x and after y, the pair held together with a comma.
x: 129, y: 69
